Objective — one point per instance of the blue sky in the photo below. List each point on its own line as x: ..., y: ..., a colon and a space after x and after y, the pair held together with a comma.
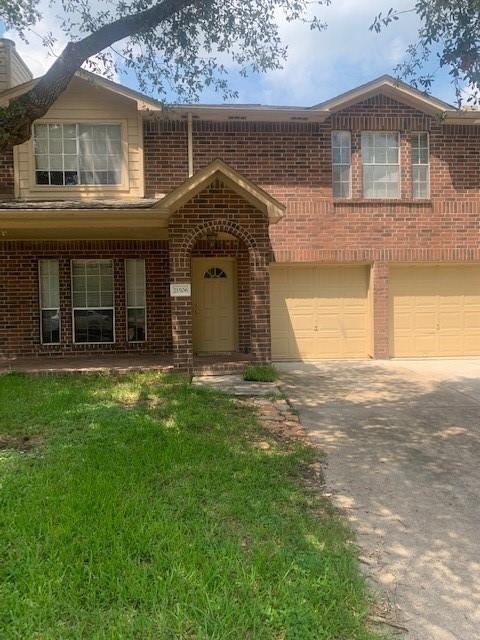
x: 319, y: 66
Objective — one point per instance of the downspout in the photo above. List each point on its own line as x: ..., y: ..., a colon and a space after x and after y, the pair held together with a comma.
x: 190, y: 144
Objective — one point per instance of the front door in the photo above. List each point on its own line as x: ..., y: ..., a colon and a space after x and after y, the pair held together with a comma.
x: 213, y: 299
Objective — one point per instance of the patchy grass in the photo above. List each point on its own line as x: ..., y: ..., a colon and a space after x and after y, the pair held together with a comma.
x: 260, y: 373
x: 145, y: 511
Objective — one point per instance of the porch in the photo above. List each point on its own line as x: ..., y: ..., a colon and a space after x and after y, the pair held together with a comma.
x: 124, y: 363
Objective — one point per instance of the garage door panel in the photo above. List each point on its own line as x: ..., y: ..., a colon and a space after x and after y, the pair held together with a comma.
x: 471, y: 321
x: 444, y: 320
x: 324, y: 310
x: 424, y: 321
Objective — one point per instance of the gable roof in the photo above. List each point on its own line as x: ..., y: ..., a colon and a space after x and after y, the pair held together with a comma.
x: 143, y: 102
x: 385, y: 84
x: 391, y: 87
x: 233, y: 179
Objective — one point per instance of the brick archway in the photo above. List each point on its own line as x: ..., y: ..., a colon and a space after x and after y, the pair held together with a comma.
x: 217, y: 210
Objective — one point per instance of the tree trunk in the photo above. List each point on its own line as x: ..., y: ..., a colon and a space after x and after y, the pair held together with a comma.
x: 16, y: 119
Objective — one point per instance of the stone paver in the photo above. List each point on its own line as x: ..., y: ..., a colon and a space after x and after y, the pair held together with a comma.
x: 237, y: 386
x: 403, y: 447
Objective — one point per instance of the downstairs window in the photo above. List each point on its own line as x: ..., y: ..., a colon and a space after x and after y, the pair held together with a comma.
x: 93, y: 301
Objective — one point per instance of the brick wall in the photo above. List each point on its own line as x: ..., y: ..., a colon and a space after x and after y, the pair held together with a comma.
x: 292, y: 161
x: 19, y: 295
x: 7, y: 185
x: 217, y: 209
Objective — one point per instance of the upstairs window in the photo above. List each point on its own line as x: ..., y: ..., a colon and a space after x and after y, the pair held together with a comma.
x: 78, y: 154
x: 341, y: 164
x: 420, y: 165
x: 381, y: 165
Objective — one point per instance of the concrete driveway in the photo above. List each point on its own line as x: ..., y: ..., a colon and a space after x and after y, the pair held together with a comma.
x: 403, y: 445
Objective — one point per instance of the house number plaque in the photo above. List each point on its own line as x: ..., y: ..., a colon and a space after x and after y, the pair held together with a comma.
x: 183, y: 290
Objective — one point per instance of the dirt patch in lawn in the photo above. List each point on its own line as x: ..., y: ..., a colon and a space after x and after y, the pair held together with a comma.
x: 24, y: 443
x: 278, y: 418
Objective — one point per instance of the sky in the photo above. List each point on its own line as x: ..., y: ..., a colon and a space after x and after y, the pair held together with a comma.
x: 320, y: 65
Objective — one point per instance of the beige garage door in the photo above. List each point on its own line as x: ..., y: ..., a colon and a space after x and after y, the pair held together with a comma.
x: 435, y: 311
x: 319, y: 312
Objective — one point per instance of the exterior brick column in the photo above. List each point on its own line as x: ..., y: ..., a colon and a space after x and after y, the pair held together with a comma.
x: 380, y: 310
x: 218, y: 209
x: 260, y: 308
x: 182, y: 334
x: 181, y: 310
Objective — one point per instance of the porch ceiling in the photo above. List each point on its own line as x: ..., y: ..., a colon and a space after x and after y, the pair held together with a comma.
x: 44, y: 224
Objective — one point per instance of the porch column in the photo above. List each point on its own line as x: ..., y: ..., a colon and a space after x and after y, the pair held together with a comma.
x: 260, y: 308
x: 380, y: 310
x: 181, y: 313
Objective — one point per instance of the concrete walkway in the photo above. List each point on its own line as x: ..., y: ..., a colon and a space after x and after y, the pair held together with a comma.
x: 237, y: 386
x: 403, y: 445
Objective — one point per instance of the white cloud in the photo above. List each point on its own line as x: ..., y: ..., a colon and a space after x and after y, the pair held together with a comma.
x: 38, y: 57
x: 321, y: 64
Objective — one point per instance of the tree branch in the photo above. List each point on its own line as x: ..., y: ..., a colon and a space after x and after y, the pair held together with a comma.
x: 16, y: 119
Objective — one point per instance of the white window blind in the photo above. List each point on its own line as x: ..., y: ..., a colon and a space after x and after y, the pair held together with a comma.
x: 78, y: 154
x: 381, y: 165
x: 420, y: 165
x: 341, y: 164
x: 136, y: 310
x: 49, y: 301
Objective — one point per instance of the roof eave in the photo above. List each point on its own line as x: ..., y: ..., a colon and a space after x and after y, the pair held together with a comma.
x: 274, y: 209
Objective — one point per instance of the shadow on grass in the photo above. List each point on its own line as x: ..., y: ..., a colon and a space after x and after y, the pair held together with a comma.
x: 149, y: 514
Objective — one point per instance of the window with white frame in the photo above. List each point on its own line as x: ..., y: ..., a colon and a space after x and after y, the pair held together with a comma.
x: 93, y: 301
x: 420, y: 165
x: 78, y: 154
x: 381, y: 165
x: 49, y: 301
x: 341, y: 164
x: 135, y: 286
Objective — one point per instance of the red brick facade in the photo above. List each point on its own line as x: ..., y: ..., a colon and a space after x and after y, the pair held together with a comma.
x: 217, y: 209
x: 291, y: 162
x: 7, y: 178
x: 19, y: 294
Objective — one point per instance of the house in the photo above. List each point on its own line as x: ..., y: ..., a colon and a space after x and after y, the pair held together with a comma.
x: 349, y: 229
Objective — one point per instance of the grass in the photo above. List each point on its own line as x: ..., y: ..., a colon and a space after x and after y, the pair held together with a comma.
x: 260, y: 373
x: 143, y: 509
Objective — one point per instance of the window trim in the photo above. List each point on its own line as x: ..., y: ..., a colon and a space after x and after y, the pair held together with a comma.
x: 416, y: 133
x: 74, y: 340
x: 126, y: 300
x: 350, y: 186
x: 125, y: 182
x: 399, y: 138
x: 41, y: 308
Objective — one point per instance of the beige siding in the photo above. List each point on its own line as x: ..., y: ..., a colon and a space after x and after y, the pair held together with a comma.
x: 19, y: 72
x: 13, y: 71
x: 84, y: 102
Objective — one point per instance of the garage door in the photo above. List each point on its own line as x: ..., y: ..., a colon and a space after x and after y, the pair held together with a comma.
x: 435, y: 311
x: 319, y: 312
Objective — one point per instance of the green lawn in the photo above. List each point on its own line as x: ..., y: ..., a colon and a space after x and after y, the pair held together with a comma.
x: 145, y: 510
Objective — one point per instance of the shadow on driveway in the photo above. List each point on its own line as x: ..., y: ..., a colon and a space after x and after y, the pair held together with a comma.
x: 403, y: 446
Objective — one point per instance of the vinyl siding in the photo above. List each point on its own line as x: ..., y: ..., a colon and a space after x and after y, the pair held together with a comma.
x: 83, y: 102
